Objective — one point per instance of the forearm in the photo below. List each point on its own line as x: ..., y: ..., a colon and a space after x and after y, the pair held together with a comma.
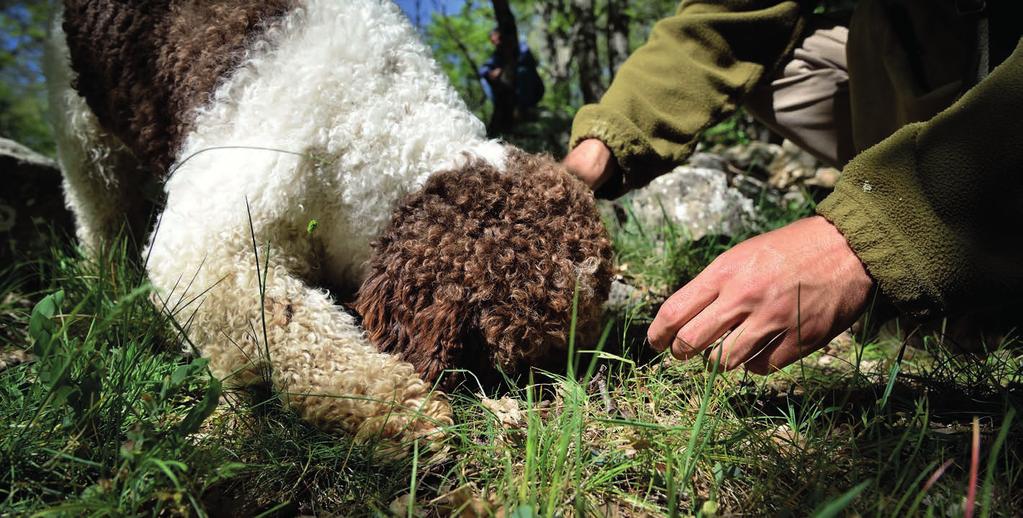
x: 692, y: 72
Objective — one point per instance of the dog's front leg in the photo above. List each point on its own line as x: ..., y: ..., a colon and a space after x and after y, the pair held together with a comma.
x: 323, y: 366
x: 258, y: 326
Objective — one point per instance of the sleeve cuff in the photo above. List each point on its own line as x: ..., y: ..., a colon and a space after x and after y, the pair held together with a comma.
x: 638, y: 162
x: 889, y: 255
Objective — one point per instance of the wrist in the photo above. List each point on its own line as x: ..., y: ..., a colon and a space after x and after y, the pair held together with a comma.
x: 843, y: 258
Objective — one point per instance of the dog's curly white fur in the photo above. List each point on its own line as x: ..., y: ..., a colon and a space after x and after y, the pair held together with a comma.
x: 333, y: 115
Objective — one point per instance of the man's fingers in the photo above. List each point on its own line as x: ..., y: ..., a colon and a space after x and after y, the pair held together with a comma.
x: 746, y: 342
x: 685, y: 304
x: 702, y: 330
x: 761, y: 362
x: 784, y: 353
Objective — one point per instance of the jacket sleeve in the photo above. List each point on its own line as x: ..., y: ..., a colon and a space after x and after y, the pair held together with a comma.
x: 690, y: 74
x: 935, y: 211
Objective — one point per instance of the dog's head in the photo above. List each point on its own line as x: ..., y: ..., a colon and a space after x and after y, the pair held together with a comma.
x: 478, y: 270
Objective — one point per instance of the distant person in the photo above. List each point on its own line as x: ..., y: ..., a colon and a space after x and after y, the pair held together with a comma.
x: 529, y: 87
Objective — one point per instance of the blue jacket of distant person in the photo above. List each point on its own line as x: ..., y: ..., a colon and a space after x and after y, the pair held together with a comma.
x: 529, y: 88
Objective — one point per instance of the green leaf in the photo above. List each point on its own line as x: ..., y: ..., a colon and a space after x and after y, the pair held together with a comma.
x: 60, y: 395
x: 522, y: 511
x: 231, y: 469
x: 87, y: 393
x: 839, y: 504
x: 180, y: 374
x: 167, y: 467
x: 54, y: 371
x: 41, y: 325
x: 172, y: 383
x: 191, y: 423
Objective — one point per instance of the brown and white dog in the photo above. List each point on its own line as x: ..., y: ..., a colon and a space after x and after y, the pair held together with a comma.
x: 259, y: 117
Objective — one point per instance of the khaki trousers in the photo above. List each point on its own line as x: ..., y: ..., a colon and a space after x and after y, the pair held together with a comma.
x: 807, y: 101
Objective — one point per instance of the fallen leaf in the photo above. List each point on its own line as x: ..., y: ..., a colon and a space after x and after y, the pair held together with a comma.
x: 464, y: 502
x: 399, y: 507
x: 11, y: 357
x: 507, y: 411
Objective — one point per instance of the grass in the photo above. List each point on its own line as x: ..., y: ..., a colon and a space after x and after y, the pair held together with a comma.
x: 111, y: 418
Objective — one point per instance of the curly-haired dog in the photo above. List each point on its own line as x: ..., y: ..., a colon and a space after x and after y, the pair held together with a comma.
x: 262, y: 116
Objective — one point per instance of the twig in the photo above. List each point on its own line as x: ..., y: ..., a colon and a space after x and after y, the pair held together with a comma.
x: 599, y: 382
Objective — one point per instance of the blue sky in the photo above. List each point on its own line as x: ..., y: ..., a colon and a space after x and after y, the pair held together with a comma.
x: 427, y: 7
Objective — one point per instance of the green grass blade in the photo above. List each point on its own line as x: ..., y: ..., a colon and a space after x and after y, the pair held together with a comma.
x: 992, y: 461
x: 836, y: 506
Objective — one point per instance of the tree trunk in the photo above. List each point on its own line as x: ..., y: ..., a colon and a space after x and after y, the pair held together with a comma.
x: 586, y: 58
x: 503, y: 88
x: 617, y: 35
x: 557, y: 50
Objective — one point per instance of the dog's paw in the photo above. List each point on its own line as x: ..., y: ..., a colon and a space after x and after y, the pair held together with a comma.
x: 397, y: 429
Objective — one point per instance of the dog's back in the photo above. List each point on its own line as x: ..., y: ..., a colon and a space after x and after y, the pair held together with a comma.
x: 143, y: 72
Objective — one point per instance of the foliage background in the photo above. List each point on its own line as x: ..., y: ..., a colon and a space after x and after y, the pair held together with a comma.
x: 22, y: 88
x: 556, y: 31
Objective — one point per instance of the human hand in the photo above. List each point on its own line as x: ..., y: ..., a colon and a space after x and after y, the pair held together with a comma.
x: 592, y: 162
x: 494, y: 73
x: 783, y: 295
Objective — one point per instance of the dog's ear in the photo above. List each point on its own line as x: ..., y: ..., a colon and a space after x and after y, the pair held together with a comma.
x: 435, y: 340
x: 372, y: 304
x: 425, y: 330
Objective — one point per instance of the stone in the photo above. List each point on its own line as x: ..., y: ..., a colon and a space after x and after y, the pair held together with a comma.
x: 622, y: 297
x: 697, y: 200
x: 13, y: 356
x: 31, y: 203
x: 825, y: 177
x: 708, y: 161
x: 751, y: 156
x: 785, y: 167
x: 791, y: 167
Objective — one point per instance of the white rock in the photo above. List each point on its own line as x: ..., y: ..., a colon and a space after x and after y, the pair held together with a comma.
x: 697, y: 200
x: 622, y: 296
x: 22, y: 156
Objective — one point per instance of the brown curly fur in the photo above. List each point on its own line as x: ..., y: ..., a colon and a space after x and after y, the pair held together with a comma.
x: 478, y: 270
x: 144, y: 67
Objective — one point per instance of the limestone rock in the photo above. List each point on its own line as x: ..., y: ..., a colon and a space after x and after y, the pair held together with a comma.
x: 791, y: 166
x: 825, y: 177
x: 708, y: 161
x: 751, y: 156
x: 622, y: 297
x: 697, y: 200
x: 784, y: 167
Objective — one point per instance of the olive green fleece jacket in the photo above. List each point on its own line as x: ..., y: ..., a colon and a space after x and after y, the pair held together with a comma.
x: 934, y: 211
